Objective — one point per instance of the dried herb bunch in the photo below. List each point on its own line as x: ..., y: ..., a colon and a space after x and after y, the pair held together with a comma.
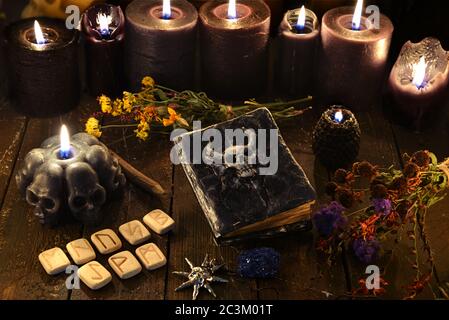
x: 158, y: 107
x: 398, y: 204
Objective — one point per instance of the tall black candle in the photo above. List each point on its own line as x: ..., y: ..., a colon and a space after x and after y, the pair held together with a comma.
x: 353, y: 58
x: 234, y: 48
x: 43, y: 66
x: 104, y: 29
x: 299, y: 35
x: 161, y: 44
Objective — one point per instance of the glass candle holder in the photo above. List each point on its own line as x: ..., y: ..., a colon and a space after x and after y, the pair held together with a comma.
x: 104, y: 29
x: 419, y: 81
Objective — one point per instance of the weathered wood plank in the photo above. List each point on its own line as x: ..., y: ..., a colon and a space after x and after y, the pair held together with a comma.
x: 152, y: 158
x: 193, y: 239
x: 22, y: 237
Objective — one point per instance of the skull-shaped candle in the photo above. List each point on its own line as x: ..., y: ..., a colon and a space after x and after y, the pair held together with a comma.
x: 419, y: 80
x: 73, y: 175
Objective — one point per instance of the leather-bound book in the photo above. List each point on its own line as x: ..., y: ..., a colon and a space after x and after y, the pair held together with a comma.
x: 248, y: 188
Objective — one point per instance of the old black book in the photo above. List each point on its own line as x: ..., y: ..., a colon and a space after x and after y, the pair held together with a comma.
x: 237, y: 199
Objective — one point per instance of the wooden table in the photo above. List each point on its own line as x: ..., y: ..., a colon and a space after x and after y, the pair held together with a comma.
x: 304, y: 273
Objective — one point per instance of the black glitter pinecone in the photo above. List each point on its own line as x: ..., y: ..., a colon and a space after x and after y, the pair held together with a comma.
x: 336, y: 145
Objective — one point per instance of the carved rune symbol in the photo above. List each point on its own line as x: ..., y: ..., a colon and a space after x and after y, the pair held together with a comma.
x: 48, y: 255
x: 99, y: 236
x: 98, y: 277
x: 133, y: 229
x: 160, y: 218
x: 85, y: 246
x: 119, y: 261
x: 150, y: 250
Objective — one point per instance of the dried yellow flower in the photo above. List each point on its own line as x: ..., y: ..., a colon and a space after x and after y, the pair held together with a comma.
x: 128, y: 101
x: 105, y: 104
x: 148, y: 82
x: 142, y: 131
x: 93, y: 127
x: 117, y: 108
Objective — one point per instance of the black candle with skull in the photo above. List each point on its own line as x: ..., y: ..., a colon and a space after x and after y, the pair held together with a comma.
x: 69, y: 175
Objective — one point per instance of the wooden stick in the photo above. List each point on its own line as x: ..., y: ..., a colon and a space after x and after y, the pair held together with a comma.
x: 138, y: 178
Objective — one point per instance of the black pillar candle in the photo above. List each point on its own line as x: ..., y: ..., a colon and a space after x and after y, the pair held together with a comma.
x: 43, y: 73
x: 161, y: 45
x: 299, y: 40
x: 353, y: 58
x: 234, y: 49
x: 104, y: 29
x: 336, y: 138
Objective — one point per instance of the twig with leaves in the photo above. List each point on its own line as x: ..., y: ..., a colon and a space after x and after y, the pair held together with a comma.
x: 158, y: 108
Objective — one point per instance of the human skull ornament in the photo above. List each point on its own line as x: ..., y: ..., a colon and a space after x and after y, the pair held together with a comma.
x: 45, y: 192
x: 86, y: 195
x: 241, y: 160
x: 33, y: 160
x: 79, y: 184
x: 107, y: 168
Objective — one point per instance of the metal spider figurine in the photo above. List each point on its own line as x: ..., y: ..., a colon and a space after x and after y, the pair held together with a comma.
x: 201, y: 276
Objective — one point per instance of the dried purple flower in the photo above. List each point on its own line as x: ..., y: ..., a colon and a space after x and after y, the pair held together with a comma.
x: 329, y: 218
x: 367, y: 251
x: 382, y: 206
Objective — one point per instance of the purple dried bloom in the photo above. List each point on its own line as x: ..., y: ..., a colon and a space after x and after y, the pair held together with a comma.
x: 329, y: 219
x: 382, y: 206
x: 367, y: 251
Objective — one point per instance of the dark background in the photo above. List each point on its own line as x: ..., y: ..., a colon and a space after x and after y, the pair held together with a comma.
x: 413, y: 19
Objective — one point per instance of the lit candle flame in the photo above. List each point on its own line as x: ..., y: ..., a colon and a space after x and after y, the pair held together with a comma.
x: 104, y: 21
x: 338, y: 116
x: 419, y: 72
x: 64, y: 150
x: 357, y: 17
x: 38, y: 33
x: 166, y: 9
x: 301, y: 19
x: 232, y: 9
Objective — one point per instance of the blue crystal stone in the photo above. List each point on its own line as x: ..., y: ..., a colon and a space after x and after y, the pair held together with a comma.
x: 259, y: 263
